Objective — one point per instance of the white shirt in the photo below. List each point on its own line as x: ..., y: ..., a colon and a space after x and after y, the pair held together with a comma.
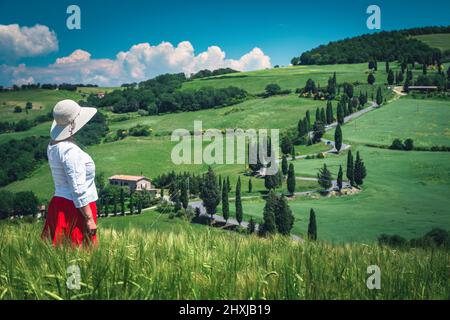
x: 73, y: 172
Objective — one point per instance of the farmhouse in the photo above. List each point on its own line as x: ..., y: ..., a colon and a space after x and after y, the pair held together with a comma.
x: 135, y: 183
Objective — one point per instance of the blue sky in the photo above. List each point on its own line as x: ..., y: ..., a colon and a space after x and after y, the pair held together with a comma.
x: 281, y: 29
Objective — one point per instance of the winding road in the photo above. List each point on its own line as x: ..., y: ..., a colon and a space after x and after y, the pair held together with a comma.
x: 232, y: 221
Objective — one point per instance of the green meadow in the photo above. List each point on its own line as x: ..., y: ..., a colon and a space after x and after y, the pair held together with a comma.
x: 43, y: 101
x: 424, y: 121
x: 437, y: 40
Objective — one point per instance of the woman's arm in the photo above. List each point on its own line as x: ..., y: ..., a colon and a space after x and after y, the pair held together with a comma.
x: 91, y: 227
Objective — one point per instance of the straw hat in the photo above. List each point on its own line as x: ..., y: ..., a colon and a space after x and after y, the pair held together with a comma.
x: 69, y: 117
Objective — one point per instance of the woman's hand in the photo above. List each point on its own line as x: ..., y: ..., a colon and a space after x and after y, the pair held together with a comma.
x: 91, y: 227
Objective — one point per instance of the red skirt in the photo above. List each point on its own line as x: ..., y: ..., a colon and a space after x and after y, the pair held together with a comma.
x: 65, y: 223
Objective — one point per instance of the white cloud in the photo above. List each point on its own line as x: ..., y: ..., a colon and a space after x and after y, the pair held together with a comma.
x: 142, y: 61
x: 17, y: 42
x: 76, y: 56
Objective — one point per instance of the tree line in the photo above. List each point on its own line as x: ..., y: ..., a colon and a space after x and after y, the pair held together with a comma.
x: 208, y: 73
x: 383, y: 46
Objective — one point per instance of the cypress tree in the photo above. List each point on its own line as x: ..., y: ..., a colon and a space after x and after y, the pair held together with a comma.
x: 184, y: 197
x: 318, y: 114
x: 387, y: 66
x: 308, y: 120
x: 338, y: 138
x: 379, y: 100
x: 350, y: 173
x: 291, y: 179
x: 424, y: 68
x: 301, y: 128
x: 324, y: 178
x: 306, y: 125
x: 329, y: 112
x: 228, y: 184
x: 312, y: 226
x: 339, y: 178
x: 284, y: 165
x: 293, y: 152
x: 340, y: 114
x: 225, y: 202
x: 406, y: 86
x: 344, y: 107
x: 400, y: 77
x: 210, y: 192
x: 284, y: 219
x: 238, y: 202
x: 250, y: 185
x: 371, y: 79
x: 251, y: 226
x: 269, y: 226
x: 323, y: 117
x: 391, y: 77
x: 360, y: 170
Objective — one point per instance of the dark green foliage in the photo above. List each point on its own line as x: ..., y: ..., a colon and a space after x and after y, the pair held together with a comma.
x: 225, y: 201
x: 250, y: 185
x: 122, y: 201
x: 286, y: 144
x: 391, y: 77
x: 371, y: 79
x: 310, y: 86
x: 269, y: 225
x: 210, y: 192
x: 329, y: 113
x: 25, y: 203
x: 348, y: 89
x: 251, y: 225
x: 20, y: 157
x: 238, y: 202
x: 350, y: 169
x: 340, y: 113
x: 208, y: 73
x: 272, y: 89
x: 284, y: 219
x: 396, y: 145
x: 409, y: 144
x: 381, y: 46
x: 291, y: 179
x: 284, y: 165
x: 360, y: 170
x: 6, y: 204
x: 437, y: 237
x: 131, y: 203
x: 324, y: 178
x: 93, y: 131
x: 387, y: 66
x: 339, y: 178
x: 379, y: 99
x: 184, y: 196
x: 139, y: 131
x: 312, y: 225
x: 338, y: 138
x: 318, y: 131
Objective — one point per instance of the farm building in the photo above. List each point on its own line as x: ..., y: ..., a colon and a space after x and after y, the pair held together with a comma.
x: 135, y: 183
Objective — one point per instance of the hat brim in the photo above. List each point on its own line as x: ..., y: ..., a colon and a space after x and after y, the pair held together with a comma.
x: 58, y: 133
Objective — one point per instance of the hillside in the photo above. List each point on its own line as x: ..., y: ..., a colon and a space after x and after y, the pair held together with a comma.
x: 381, y: 46
x: 440, y: 41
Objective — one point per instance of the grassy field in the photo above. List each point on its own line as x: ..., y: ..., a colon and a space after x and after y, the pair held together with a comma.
x: 272, y: 113
x: 404, y: 193
x: 290, y: 77
x: 425, y: 121
x: 43, y: 102
x: 439, y: 40
x: 210, y: 264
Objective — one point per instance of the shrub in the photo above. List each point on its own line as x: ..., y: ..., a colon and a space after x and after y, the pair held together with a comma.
x: 396, y: 145
x: 408, y: 144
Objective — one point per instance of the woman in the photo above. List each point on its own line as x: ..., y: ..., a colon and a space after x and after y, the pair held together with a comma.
x: 72, y: 213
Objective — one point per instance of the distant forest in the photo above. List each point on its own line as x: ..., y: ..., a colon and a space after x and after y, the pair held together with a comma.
x: 382, y: 46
